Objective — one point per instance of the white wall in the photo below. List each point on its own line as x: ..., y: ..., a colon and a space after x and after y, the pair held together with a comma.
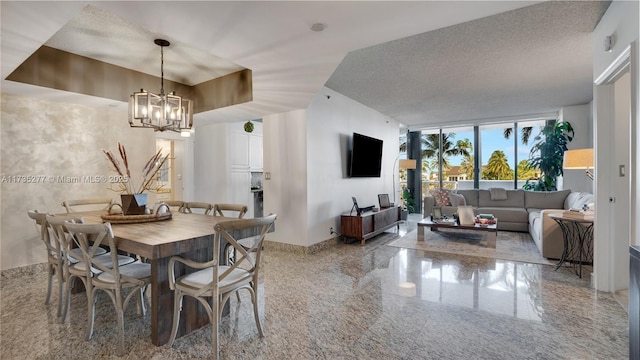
x: 330, y: 126
x: 581, y: 119
x: 306, y: 153
x: 54, y: 139
x: 285, y: 161
x: 210, y: 151
x: 611, y: 251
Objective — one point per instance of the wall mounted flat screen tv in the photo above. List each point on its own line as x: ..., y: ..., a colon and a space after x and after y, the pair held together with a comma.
x: 366, y: 156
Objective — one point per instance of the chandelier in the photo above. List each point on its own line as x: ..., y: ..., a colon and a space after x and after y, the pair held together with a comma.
x: 161, y: 111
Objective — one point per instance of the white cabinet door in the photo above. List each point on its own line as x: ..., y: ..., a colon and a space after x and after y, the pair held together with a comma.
x: 239, y: 148
x: 240, y: 188
x: 255, y: 152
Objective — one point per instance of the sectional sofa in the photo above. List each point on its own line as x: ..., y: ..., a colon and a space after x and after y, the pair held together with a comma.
x: 516, y: 210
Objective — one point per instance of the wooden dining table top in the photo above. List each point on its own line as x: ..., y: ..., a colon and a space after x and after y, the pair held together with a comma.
x: 159, y: 239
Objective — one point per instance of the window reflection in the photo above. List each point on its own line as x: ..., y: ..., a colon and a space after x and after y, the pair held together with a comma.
x: 495, y: 286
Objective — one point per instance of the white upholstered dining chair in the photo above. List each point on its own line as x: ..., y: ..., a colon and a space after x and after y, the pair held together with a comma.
x: 112, y: 280
x: 216, y: 281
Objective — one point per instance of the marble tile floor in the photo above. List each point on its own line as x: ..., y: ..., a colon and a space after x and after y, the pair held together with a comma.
x: 353, y: 302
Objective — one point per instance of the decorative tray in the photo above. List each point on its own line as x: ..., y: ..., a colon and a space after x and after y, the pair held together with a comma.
x: 133, y: 219
x: 119, y: 218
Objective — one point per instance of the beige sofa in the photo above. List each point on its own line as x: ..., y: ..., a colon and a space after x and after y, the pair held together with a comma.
x: 520, y: 211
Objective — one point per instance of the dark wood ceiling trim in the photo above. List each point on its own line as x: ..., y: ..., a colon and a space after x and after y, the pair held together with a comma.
x: 61, y: 70
x: 232, y: 89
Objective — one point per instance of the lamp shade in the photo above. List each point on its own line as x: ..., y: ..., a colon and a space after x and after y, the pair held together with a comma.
x: 578, y: 159
x: 407, y: 164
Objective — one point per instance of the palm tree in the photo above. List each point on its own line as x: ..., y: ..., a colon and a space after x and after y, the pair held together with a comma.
x: 465, y: 144
x: 525, y: 134
x: 466, y: 166
x: 430, y: 144
x: 498, y: 167
x: 431, y: 148
x: 525, y: 172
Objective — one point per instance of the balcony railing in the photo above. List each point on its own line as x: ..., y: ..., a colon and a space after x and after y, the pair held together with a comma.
x: 468, y: 184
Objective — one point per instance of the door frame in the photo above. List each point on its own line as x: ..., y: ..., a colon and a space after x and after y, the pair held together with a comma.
x: 610, y: 273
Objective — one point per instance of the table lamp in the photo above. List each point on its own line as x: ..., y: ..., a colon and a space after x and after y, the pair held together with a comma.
x: 579, y: 159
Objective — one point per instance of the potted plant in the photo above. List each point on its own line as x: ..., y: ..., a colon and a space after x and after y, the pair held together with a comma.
x: 408, y: 203
x: 134, y: 199
x: 547, y: 154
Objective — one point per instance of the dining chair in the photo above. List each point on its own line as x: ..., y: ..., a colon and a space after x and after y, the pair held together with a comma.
x: 110, y: 279
x: 230, y: 210
x: 84, y: 204
x: 54, y: 260
x: 73, y: 264
x: 176, y: 205
x: 217, y: 281
x: 191, y: 205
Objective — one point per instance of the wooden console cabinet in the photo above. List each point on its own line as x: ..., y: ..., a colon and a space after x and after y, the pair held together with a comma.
x: 369, y: 224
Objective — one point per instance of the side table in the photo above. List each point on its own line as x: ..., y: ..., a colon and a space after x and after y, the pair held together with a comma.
x: 578, y: 241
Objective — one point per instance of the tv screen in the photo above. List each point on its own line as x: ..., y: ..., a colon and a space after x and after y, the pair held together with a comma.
x: 366, y: 156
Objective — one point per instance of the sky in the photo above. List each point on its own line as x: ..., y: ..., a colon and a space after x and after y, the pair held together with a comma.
x: 492, y: 138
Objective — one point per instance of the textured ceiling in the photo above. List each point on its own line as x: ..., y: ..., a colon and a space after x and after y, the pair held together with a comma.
x: 529, y: 60
x: 523, y: 62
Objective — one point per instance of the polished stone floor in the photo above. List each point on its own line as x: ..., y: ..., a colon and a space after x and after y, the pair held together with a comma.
x: 353, y: 302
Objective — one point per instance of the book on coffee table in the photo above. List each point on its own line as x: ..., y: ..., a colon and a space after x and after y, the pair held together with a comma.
x: 445, y: 221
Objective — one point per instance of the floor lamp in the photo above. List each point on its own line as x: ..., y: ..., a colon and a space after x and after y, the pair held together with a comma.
x: 409, y: 164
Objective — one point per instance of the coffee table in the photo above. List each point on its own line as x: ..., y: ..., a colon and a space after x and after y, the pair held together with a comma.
x: 489, y: 232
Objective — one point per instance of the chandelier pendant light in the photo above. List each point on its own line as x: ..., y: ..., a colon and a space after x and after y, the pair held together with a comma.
x: 161, y: 111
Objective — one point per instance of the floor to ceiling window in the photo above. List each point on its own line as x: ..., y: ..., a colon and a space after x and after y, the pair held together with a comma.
x: 497, y: 157
x: 485, y: 156
x: 456, y: 163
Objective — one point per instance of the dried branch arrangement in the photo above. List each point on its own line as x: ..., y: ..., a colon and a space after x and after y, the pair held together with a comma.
x: 149, y: 172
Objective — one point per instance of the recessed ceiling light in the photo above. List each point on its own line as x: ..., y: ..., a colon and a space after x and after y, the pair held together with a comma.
x: 317, y: 27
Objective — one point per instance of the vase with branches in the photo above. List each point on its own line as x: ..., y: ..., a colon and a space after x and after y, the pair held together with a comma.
x: 132, y: 192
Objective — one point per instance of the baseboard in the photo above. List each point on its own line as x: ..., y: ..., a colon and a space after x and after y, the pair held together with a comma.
x: 298, y: 249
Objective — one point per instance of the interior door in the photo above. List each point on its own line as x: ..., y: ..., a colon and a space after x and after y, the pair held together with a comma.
x: 620, y: 182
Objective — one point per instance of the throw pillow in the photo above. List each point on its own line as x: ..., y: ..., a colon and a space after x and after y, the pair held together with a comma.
x: 441, y: 197
x: 457, y: 199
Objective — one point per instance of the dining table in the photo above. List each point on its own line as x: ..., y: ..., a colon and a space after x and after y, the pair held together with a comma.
x: 187, y: 235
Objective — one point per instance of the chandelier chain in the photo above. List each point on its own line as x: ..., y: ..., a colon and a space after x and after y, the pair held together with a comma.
x: 161, y: 70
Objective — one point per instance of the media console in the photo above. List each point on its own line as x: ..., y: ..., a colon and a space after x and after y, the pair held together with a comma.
x: 369, y: 224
